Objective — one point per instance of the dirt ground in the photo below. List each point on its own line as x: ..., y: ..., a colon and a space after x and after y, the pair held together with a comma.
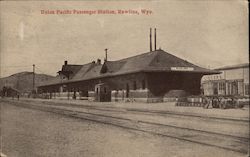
x: 238, y: 113
x: 32, y: 133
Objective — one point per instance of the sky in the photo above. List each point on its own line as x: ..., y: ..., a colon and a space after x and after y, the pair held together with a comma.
x: 208, y: 33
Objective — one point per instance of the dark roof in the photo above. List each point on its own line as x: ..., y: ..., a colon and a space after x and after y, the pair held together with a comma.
x: 93, y: 72
x: 155, y: 61
x: 70, y: 70
x: 113, y: 66
x: 71, y: 67
x: 83, y: 70
x: 244, y: 65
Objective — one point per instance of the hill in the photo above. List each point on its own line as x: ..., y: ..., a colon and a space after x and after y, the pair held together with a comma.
x: 23, y: 81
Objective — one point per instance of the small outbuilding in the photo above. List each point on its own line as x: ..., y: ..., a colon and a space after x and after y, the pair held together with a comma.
x: 102, y: 92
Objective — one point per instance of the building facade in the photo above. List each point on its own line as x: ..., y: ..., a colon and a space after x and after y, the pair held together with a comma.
x: 148, y: 77
x: 233, y: 80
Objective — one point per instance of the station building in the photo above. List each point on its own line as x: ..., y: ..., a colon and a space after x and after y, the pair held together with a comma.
x: 233, y: 80
x: 148, y: 77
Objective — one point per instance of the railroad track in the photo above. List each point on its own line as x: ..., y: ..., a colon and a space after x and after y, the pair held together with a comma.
x: 218, y: 140
x: 114, y: 111
x: 151, y: 112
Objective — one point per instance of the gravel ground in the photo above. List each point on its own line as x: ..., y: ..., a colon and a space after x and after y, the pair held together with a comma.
x: 166, y: 106
x: 226, y: 127
x: 32, y: 133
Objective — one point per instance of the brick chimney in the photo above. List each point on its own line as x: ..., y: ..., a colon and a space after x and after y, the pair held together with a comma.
x: 106, y: 54
x: 65, y: 62
x: 99, y: 61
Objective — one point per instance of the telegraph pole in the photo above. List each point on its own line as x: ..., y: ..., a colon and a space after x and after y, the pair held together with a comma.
x: 1, y: 129
x: 150, y: 40
x: 155, y: 39
x: 33, y: 77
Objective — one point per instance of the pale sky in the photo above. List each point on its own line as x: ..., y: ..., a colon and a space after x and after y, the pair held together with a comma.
x: 208, y: 33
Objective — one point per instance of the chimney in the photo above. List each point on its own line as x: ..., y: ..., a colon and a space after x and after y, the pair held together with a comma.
x: 106, y: 55
x: 150, y: 39
x: 99, y: 61
x: 155, y: 38
x: 65, y: 62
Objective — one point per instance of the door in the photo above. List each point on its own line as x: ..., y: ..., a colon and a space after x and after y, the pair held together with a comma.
x: 127, y: 90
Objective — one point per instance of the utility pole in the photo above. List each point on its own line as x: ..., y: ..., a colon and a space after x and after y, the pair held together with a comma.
x: 150, y: 40
x: 1, y: 129
x: 33, y: 77
x: 155, y: 39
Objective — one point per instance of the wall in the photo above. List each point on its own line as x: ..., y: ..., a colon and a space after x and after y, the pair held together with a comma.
x: 234, y: 74
x: 131, y: 87
x: 119, y: 85
x: 236, y: 82
x: 246, y: 75
x: 146, y: 87
x: 159, y: 84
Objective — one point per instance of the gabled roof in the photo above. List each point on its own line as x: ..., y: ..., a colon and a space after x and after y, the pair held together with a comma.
x: 70, y: 70
x: 154, y: 61
x: 71, y: 67
x: 83, y: 70
x: 92, y: 72
x: 137, y: 63
x: 112, y: 66
x: 164, y: 61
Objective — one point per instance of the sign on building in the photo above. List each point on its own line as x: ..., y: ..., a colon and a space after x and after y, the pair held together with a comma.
x: 182, y: 68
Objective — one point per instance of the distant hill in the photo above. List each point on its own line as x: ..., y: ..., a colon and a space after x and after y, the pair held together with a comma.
x: 23, y: 81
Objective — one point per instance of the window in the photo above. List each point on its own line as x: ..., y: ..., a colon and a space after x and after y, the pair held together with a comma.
x: 64, y: 89
x: 215, y: 88
x: 246, y: 89
x: 135, y: 85
x: 221, y: 86
x: 143, y: 84
x: 234, y: 88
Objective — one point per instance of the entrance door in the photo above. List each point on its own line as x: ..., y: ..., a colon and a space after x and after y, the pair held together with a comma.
x: 234, y: 88
x: 127, y: 90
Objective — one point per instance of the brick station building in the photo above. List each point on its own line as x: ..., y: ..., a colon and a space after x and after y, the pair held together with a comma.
x: 148, y: 77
